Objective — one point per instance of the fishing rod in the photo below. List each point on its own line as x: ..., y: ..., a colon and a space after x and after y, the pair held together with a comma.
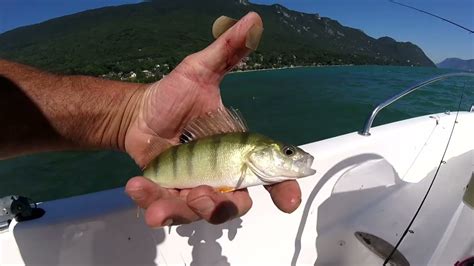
x: 434, y: 15
x: 387, y: 260
x: 407, y: 229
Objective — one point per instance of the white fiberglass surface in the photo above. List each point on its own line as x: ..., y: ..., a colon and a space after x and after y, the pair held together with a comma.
x: 368, y: 184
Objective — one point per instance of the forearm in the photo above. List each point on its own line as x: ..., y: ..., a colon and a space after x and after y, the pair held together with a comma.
x: 42, y: 112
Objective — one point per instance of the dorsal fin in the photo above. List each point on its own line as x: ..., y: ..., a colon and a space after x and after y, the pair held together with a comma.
x: 224, y: 120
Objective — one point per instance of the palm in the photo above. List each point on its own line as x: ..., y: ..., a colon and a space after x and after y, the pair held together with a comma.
x: 167, y: 107
x: 189, y: 91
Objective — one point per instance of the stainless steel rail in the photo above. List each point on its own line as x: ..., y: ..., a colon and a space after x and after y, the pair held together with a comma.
x: 368, y: 123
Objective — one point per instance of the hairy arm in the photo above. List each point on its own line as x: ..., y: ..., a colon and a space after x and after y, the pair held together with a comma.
x: 40, y: 111
x: 43, y: 112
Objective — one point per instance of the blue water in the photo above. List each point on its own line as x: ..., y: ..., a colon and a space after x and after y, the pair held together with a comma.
x: 298, y: 106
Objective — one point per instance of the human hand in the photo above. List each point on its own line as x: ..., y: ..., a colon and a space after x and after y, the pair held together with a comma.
x: 164, y: 109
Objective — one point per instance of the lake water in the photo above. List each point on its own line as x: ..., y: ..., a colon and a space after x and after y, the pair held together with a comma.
x: 297, y: 105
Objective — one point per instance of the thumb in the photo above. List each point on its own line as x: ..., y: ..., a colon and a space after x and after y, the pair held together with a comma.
x: 223, y: 54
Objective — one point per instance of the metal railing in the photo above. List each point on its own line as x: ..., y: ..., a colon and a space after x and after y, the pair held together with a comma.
x: 368, y: 123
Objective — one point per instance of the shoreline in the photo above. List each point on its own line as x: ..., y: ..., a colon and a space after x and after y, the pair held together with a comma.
x: 133, y: 78
x: 265, y: 69
x: 317, y: 66
x: 280, y: 68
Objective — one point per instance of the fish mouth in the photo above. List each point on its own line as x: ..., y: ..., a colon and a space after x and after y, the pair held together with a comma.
x: 305, y: 165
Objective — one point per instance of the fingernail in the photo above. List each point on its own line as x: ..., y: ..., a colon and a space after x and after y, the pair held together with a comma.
x: 253, y: 37
x: 203, y: 205
x: 221, y: 25
x: 168, y: 222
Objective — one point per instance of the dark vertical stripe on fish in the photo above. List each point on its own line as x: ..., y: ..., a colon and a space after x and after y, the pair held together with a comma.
x: 244, y: 138
x: 189, y: 158
x: 174, y: 160
x: 156, y: 166
x: 215, y: 144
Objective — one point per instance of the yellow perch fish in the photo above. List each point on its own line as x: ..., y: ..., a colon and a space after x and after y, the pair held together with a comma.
x: 228, y: 161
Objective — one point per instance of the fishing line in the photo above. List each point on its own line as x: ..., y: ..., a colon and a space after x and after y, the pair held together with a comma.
x: 449, y: 139
x: 387, y: 260
x: 434, y: 15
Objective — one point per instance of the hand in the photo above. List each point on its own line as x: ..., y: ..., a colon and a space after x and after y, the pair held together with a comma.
x: 191, y: 90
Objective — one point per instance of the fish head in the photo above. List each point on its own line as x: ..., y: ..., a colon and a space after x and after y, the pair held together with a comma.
x: 277, y: 162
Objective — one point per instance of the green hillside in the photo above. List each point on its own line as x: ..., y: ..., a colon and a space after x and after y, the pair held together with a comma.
x: 150, y: 38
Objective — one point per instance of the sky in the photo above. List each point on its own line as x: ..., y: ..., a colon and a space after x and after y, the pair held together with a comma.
x: 377, y: 18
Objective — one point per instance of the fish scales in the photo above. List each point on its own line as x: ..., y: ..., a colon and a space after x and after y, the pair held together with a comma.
x: 216, y: 160
x: 227, y: 161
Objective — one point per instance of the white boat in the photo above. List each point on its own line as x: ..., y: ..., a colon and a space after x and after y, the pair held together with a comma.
x: 407, y: 184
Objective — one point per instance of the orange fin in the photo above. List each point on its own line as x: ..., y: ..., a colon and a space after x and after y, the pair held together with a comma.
x: 225, y: 189
x: 219, y: 122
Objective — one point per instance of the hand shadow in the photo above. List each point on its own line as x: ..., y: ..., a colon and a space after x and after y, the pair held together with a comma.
x: 203, y: 237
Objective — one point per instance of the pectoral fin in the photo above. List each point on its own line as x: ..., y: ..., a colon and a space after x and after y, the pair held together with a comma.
x: 243, y: 172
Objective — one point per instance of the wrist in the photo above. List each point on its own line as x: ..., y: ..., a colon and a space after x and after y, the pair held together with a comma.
x: 102, y: 118
x: 137, y: 138
x: 144, y: 137
x: 123, y: 117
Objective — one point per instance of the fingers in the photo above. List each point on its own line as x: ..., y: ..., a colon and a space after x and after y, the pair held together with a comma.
x: 211, y: 64
x: 286, y: 195
x: 164, y: 212
x: 216, y: 207
x: 169, y: 206
x: 234, y: 44
x: 163, y: 206
x: 144, y: 192
x: 203, y: 202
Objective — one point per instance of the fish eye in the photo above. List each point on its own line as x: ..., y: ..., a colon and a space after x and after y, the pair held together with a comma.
x: 289, y: 150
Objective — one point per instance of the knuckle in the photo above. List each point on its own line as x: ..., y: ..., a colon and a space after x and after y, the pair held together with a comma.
x: 191, y: 60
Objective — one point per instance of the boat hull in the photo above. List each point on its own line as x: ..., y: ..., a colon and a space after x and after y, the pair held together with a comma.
x: 367, y: 184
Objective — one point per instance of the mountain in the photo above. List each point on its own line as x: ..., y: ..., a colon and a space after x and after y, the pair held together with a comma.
x: 151, y: 37
x: 456, y: 63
